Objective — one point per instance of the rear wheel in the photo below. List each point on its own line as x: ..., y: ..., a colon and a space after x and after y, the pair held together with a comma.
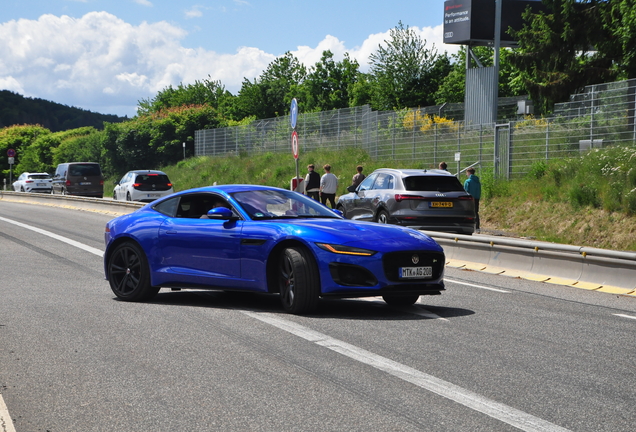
x: 401, y: 300
x: 299, y: 282
x: 22, y: 189
x: 128, y: 196
x: 129, y: 274
x: 383, y: 217
x: 114, y: 195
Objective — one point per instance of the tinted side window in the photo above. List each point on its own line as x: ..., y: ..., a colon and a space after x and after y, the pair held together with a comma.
x: 433, y: 183
x: 167, y: 207
x: 366, y: 184
x: 384, y: 181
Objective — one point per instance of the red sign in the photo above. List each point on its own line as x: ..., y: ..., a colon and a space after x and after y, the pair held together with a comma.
x: 294, y: 142
x: 11, y: 153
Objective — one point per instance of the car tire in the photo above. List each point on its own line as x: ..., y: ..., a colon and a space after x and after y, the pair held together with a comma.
x: 52, y: 191
x: 114, y: 196
x: 400, y: 300
x: 342, y: 209
x: 63, y: 191
x: 382, y: 217
x: 129, y: 273
x: 299, y: 282
x: 128, y: 196
x: 22, y: 189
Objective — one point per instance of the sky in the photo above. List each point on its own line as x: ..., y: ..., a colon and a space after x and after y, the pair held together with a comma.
x: 107, y: 55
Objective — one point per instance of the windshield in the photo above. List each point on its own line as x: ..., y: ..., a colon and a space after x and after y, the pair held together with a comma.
x: 280, y: 204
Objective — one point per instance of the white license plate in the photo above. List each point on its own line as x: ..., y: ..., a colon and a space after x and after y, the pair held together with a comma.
x: 416, y: 272
x: 154, y: 195
x: 85, y: 183
x: 40, y: 184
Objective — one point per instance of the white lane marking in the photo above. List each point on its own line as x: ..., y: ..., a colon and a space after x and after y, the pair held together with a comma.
x: 476, y: 286
x: 625, y: 316
x: 82, y: 246
x: 418, y: 310
x: 6, y: 424
x: 499, y: 411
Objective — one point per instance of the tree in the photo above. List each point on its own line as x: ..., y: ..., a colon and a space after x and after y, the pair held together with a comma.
x: 619, y: 19
x: 557, y: 51
x: 328, y: 84
x: 405, y: 72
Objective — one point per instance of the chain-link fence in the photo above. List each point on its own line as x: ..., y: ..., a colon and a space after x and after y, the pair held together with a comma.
x: 601, y: 115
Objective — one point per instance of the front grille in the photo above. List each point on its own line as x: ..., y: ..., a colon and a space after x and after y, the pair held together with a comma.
x: 393, y: 261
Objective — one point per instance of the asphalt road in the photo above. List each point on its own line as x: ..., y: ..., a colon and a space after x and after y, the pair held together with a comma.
x: 492, y: 353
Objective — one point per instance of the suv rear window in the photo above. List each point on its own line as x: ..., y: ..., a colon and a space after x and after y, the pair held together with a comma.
x: 84, y: 170
x: 433, y: 183
x: 39, y: 176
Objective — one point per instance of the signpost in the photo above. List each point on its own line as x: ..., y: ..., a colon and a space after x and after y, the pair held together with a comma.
x: 293, y: 118
x: 11, y: 154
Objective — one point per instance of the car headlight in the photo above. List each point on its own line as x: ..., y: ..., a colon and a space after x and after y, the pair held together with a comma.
x: 345, y: 250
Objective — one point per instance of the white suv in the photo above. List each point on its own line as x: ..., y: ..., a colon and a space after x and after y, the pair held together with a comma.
x: 33, y: 182
x: 142, y: 185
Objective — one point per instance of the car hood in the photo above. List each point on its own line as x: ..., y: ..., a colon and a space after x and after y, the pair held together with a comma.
x: 359, y: 234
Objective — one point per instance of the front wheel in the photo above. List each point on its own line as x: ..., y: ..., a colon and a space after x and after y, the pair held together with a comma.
x: 342, y: 210
x: 383, y: 217
x: 400, y: 300
x: 299, y: 282
x: 129, y: 273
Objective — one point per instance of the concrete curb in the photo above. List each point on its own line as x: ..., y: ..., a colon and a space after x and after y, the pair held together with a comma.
x: 588, y: 268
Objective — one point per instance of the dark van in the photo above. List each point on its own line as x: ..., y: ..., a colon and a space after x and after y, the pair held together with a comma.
x: 78, y: 178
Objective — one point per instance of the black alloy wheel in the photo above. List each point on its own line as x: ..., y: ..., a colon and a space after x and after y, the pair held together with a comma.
x: 299, y: 282
x: 129, y: 274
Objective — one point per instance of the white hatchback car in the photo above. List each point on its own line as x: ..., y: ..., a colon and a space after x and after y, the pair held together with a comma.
x: 143, y: 186
x: 33, y: 182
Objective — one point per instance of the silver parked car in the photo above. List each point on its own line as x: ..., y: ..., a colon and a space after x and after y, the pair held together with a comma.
x: 432, y: 200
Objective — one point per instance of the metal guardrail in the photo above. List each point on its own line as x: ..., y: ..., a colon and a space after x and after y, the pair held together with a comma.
x: 582, y: 267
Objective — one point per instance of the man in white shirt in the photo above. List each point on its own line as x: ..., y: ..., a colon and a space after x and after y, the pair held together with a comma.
x: 328, y: 187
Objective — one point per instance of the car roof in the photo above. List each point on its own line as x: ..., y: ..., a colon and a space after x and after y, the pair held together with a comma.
x: 415, y: 172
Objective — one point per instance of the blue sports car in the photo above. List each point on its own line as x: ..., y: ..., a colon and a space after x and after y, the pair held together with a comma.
x: 268, y: 240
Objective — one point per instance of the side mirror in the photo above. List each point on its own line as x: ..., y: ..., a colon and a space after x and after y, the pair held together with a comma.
x: 351, y: 188
x: 220, y: 213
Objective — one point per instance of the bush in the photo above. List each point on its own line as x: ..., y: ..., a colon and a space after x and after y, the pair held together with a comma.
x: 582, y: 195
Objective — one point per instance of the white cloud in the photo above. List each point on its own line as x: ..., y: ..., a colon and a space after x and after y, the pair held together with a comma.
x: 144, y: 3
x: 99, y: 61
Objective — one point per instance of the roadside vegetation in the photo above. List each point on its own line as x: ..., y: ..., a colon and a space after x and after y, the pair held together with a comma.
x: 584, y: 201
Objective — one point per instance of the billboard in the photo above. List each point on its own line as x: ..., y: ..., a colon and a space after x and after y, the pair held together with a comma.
x: 472, y: 22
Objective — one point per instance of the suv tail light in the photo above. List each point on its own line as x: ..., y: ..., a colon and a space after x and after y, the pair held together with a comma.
x: 68, y: 183
x: 401, y: 197
x: 467, y: 197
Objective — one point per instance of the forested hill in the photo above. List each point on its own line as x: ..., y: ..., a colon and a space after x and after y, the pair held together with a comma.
x: 16, y: 109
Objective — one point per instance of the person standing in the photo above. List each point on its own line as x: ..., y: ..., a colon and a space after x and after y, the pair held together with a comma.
x: 443, y: 166
x: 312, y: 183
x: 358, y: 177
x: 472, y: 185
x: 328, y: 187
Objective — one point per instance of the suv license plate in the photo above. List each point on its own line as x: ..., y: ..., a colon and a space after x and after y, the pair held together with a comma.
x: 416, y: 272
x: 153, y: 195
x: 85, y: 183
x: 441, y: 204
